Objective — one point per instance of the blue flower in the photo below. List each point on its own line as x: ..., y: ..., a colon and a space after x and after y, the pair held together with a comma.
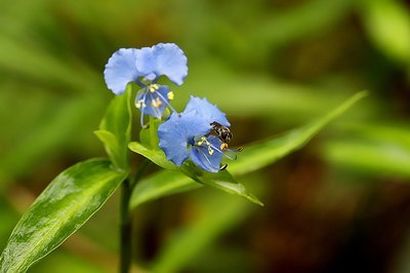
x: 162, y: 59
x: 144, y: 67
x: 148, y: 63
x: 206, y: 110
x: 188, y: 135
x: 121, y: 69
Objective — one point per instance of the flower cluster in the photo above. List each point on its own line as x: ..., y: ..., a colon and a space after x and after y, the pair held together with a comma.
x: 200, y: 133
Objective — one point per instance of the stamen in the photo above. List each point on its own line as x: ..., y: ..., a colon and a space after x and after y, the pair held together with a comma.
x: 170, y: 95
x: 207, y: 159
x: 210, y: 150
x: 140, y: 104
x: 155, y: 105
x: 201, y: 141
x: 166, y: 102
x: 142, y: 121
x: 153, y: 87
x: 220, y: 151
x: 143, y: 105
x: 156, y: 102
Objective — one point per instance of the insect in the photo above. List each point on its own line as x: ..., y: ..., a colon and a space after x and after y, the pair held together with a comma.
x: 225, y: 135
x: 222, y: 132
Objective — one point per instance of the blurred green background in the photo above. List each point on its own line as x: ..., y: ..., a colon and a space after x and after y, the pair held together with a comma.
x: 341, y: 204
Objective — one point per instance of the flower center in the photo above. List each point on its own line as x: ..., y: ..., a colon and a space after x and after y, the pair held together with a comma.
x: 204, y: 142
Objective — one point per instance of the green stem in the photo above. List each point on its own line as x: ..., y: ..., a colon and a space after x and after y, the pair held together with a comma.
x: 126, y: 219
x: 152, y: 133
x: 126, y: 228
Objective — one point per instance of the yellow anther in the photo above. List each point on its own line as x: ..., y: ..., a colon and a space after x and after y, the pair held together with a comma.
x: 201, y: 141
x: 156, y: 103
x: 140, y: 104
x: 170, y: 95
x: 153, y: 87
x: 210, y: 151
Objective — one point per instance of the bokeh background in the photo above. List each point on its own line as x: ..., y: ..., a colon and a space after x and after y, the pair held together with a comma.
x: 340, y: 204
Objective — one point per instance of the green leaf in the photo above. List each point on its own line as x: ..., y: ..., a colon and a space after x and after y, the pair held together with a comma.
x: 149, y: 136
x: 372, y: 149
x: 383, y: 158
x: 222, y: 180
x: 111, y: 144
x: 61, y: 209
x: 162, y: 183
x: 253, y: 157
x: 115, y: 128
x: 261, y: 154
x: 157, y: 156
x: 388, y: 24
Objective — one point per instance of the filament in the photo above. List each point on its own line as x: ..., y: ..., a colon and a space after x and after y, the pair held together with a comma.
x: 166, y: 101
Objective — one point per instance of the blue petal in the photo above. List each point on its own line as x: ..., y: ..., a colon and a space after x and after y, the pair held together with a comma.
x: 204, y: 159
x: 146, y: 62
x: 163, y: 59
x: 206, y: 110
x: 150, y: 99
x: 121, y: 69
x: 176, y: 135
